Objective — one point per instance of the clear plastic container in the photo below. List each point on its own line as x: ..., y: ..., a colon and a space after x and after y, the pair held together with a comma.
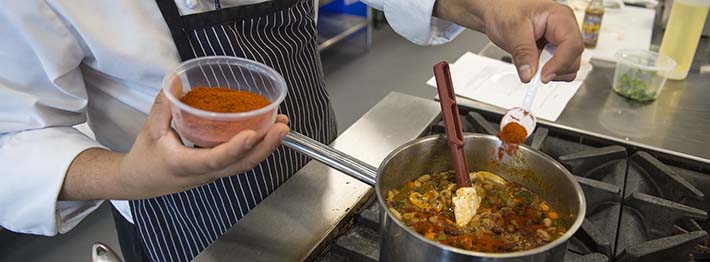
x: 208, y: 129
x: 641, y: 74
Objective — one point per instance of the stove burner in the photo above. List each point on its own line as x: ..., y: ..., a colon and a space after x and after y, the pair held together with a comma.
x: 674, y: 248
x: 638, y: 208
x: 648, y: 175
x: 603, y: 202
x: 601, y: 173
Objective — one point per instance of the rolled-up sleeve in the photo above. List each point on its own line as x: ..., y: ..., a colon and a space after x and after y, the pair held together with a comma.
x: 413, y: 20
x: 35, y: 163
x: 43, y: 96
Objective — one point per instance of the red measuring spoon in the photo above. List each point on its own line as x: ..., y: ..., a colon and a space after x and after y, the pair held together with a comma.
x: 452, y: 122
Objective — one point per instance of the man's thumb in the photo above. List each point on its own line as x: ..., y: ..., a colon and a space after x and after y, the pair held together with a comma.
x: 525, y: 57
x: 160, y: 114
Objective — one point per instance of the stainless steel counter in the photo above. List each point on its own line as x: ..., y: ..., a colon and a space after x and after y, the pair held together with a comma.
x: 677, y: 123
x: 290, y: 223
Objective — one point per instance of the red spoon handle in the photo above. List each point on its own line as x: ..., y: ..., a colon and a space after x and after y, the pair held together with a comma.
x: 452, y: 122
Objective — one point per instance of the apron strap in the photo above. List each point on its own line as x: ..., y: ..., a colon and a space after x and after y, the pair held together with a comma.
x: 173, y: 19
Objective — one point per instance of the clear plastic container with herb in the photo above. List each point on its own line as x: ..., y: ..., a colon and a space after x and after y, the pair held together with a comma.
x: 640, y: 74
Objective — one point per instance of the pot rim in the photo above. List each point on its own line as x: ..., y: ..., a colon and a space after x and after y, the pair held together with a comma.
x: 572, y: 229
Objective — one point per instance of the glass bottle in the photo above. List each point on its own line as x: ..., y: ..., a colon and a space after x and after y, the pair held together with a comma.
x: 592, y: 22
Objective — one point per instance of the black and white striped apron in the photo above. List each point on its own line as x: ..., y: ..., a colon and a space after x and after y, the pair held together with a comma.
x: 282, y: 35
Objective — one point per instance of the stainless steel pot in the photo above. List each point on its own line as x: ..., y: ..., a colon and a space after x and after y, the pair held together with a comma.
x: 538, y: 172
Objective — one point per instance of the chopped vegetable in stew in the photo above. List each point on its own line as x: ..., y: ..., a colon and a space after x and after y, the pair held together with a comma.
x: 509, y: 217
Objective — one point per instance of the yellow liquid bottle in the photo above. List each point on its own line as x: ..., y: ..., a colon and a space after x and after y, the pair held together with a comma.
x: 682, y: 35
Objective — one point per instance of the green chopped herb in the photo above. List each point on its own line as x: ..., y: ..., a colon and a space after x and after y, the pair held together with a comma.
x: 633, y: 86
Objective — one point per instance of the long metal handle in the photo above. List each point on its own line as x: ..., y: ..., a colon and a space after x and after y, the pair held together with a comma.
x: 331, y: 157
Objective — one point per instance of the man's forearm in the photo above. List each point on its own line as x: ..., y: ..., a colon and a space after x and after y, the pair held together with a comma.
x: 466, y: 15
x: 93, y: 175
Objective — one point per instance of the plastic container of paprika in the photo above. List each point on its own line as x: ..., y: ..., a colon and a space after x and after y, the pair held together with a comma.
x: 207, y: 129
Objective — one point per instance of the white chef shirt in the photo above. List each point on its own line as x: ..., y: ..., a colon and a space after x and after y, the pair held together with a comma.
x: 66, y: 61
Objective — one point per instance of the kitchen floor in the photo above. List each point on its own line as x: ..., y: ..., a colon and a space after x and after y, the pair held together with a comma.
x: 357, y: 79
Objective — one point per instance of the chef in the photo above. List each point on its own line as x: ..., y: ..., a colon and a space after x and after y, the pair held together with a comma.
x: 67, y: 62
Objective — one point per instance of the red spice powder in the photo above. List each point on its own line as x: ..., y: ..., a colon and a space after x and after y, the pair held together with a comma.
x: 223, y: 100
x: 511, y: 135
x: 208, y: 132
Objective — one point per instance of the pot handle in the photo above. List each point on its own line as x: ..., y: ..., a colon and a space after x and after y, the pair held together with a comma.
x: 331, y: 157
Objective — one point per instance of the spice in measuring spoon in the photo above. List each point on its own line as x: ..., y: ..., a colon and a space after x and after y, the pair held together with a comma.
x: 223, y: 100
x: 518, y: 122
x: 513, y: 133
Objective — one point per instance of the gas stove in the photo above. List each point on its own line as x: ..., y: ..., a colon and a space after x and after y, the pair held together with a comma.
x: 642, y: 205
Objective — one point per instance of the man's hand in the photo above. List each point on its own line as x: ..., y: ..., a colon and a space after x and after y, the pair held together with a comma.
x: 517, y: 25
x: 159, y: 164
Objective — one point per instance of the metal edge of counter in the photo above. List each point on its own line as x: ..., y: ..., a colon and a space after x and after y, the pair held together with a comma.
x: 294, y: 221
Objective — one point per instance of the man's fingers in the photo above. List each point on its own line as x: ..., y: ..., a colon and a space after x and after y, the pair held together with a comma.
x: 566, y: 77
x: 158, y: 121
x: 261, y: 151
x: 247, y: 148
x: 563, y: 31
x: 561, y: 63
x: 571, y: 69
x: 521, y: 44
x: 271, y: 141
x: 281, y: 118
x: 205, y: 160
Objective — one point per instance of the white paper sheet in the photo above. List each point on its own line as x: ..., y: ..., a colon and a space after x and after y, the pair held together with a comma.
x: 495, y: 82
